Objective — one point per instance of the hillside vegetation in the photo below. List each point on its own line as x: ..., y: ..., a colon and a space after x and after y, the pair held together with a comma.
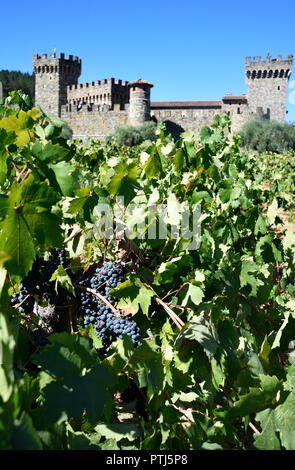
x: 16, y: 80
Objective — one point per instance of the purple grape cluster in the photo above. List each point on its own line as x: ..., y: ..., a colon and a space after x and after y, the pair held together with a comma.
x: 37, y: 282
x: 108, y: 326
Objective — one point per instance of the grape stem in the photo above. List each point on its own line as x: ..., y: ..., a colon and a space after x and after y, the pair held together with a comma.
x: 101, y: 297
x: 20, y: 304
x: 76, y: 231
x: 178, y: 322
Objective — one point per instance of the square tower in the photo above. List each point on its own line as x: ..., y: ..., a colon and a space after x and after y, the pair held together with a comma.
x: 267, y: 86
x: 52, y: 76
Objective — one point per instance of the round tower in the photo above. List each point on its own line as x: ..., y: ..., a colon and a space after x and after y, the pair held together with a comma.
x: 139, y: 101
x: 52, y: 76
x: 267, y: 86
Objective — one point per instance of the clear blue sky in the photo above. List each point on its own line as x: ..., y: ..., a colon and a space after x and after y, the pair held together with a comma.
x: 189, y: 49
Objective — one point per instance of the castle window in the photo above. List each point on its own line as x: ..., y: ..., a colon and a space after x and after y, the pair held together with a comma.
x: 276, y: 74
x: 264, y: 74
x: 279, y: 87
x: 270, y: 74
x: 254, y: 74
x: 281, y: 73
x: 259, y: 74
x: 239, y: 110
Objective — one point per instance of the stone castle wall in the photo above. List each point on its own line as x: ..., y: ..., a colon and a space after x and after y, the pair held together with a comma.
x: 180, y: 119
x: 95, y: 109
x: 93, y: 122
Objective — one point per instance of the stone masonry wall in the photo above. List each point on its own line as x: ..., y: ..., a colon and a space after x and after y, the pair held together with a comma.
x: 238, y: 113
x: 93, y: 123
x: 180, y: 120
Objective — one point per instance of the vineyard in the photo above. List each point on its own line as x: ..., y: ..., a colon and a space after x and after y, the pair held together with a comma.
x: 147, y: 293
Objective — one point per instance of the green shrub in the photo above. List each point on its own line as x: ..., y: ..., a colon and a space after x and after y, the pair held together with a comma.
x: 131, y: 135
x: 268, y: 136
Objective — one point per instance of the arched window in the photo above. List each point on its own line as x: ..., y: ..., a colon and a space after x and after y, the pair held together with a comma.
x: 275, y: 75
x: 253, y: 74
x: 264, y: 74
x: 281, y: 73
x: 270, y: 74
x: 259, y: 74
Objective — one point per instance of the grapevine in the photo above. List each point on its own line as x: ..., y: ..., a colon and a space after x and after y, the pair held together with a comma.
x: 191, y: 337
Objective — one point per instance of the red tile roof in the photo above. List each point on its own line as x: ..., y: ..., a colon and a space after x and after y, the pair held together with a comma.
x: 185, y: 104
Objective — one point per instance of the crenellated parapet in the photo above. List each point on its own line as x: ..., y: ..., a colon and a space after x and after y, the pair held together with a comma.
x: 269, y: 68
x: 52, y: 64
x: 106, y: 91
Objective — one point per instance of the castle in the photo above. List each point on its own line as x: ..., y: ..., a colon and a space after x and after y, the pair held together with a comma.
x: 95, y: 109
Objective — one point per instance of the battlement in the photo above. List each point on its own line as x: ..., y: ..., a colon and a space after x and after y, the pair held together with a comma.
x: 43, y: 57
x: 269, y: 68
x: 257, y: 60
x: 52, y: 64
x: 97, y: 83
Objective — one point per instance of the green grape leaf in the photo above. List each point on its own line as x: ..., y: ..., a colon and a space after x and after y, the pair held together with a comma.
x: 133, y: 293
x: 62, y: 279
x: 284, y: 416
x: 28, y: 220
x: 153, y: 166
x: 77, y: 395
x: 118, y: 431
x: 257, y: 399
x: 7, y: 345
x: 67, y: 355
x: 194, y: 293
x: 20, y: 124
x: 50, y: 153
x: 124, y: 182
x: 268, y: 439
x: 197, y: 330
x: 64, y: 176
x: 24, y: 435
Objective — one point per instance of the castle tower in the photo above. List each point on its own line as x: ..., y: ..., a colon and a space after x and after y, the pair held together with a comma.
x: 139, y: 101
x: 267, y: 86
x: 52, y: 76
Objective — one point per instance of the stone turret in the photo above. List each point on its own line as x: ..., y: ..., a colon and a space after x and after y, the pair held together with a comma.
x: 267, y: 86
x: 52, y: 76
x: 139, y: 101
